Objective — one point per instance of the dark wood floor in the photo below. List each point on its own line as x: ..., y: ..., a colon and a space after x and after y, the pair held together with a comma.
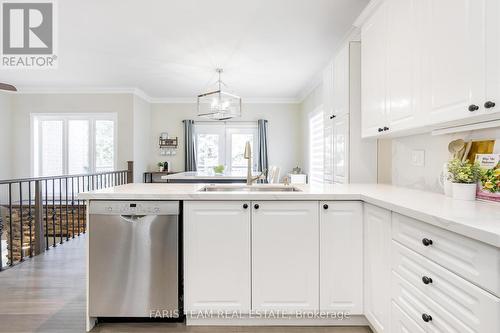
x: 46, y: 294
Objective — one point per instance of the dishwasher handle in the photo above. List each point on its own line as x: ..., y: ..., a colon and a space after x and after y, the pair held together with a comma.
x: 132, y: 218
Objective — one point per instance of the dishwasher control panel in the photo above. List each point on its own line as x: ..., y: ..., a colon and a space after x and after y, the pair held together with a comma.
x: 134, y: 207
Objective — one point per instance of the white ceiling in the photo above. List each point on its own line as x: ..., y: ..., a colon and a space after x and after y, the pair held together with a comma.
x: 170, y: 48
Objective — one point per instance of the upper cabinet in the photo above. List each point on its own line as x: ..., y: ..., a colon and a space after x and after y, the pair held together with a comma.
x: 428, y: 64
x: 454, y: 54
x: 341, y: 82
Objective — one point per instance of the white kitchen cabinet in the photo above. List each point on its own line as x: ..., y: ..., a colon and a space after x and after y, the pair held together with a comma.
x: 217, y: 255
x: 341, y: 82
x: 328, y: 89
x: 454, y: 59
x: 373, y: 71
x: 285, y: 256
x: 340, y: 149
x: 348, y: 158
x: 341, y: 256
x: 403, y: 64
x: 377, y: 266
x: 492, y: 57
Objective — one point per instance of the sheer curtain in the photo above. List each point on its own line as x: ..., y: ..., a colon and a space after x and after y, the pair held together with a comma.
x: 189, y: 148
x: 262, y: 163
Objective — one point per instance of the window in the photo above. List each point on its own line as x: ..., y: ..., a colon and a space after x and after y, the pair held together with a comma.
x: 224, y: 144
x: 73, y: 143
x: 316, y: 147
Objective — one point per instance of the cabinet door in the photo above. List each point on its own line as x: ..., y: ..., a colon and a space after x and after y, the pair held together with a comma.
x: 454, y: 58
x: 285, y: 256
x: 328, y: 90
x: 341, y: 82
x: 373, y: 73
x: 401, y: 322
x: 377, y: 266
x: 341, y: 149
x: 403, y: 67
x: 492, y: 55
x: 217, y: 255
x: 341, y: 256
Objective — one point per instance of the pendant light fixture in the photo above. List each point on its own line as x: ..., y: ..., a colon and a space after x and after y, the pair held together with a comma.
x: 218, y: 104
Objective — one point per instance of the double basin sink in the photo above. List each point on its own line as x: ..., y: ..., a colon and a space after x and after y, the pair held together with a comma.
x: 249, y: 188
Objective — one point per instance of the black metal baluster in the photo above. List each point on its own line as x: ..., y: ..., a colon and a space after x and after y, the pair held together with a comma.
x: 21, y: 221
x: 67, y: 215
x: 60, y: 212
x: 46, y: 216
x: 78, y: 201
x: 30, y: 219
x: 73, y: 206
x: 11, y: 238
x: 53, y: 212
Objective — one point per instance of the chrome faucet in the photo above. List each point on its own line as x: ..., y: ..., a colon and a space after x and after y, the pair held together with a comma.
x: 248, y: 155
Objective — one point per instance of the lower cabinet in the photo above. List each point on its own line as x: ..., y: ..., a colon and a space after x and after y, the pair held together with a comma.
x: 377, y: 267
x: 285, y: 252
x: 217, y: 255
x: 341, y: 256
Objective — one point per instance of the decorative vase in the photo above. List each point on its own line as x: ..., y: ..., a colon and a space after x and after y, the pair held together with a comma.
x: 462, y: 191
x: 448, y: 188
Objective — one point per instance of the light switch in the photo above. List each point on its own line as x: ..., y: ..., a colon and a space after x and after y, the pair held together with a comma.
x: 418, y: 158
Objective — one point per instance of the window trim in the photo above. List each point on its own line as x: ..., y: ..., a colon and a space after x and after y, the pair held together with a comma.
x: 225, y: 130
x: 35, y: 137
x: 318, y: 111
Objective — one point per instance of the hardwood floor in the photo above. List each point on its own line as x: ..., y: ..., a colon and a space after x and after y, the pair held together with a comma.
x: 46, y: 294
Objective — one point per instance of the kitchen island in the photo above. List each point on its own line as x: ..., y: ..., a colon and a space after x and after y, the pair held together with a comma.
x: 333, y: 255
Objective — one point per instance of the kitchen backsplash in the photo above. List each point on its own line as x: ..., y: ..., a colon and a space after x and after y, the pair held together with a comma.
x: 408, y: 172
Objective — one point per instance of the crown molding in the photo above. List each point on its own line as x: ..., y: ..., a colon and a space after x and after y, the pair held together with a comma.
x: 367, y: 12
x: 140, y: 93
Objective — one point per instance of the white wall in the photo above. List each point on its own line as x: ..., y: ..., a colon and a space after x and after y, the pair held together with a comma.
x: 5, y: 135
x: 284, y: 126
x: 308, y: 105
x: 436, y: 154
x: 25, y: 104
x: 142, y: 137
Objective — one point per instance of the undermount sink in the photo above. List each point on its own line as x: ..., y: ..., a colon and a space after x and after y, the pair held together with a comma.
x: 252, y: 188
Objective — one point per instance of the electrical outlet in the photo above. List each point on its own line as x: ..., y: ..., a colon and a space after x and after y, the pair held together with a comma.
x: 418, y: 158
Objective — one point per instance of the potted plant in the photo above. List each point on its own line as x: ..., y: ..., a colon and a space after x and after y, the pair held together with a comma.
x: 160, y: 166
x: 464, y: 177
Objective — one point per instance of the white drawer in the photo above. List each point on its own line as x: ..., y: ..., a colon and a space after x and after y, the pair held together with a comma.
x: 417, y: 305
x: 402, y: 323
x: 467, y: 304
x: 475, y: 261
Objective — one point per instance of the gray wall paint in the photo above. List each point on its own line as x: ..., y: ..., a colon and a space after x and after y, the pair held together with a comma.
x: 5, y: 135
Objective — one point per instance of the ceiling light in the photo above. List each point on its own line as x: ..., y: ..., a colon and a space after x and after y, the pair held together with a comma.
x: 218, y: 104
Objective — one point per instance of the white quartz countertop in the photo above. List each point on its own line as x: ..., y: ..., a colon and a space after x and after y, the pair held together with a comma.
x: 475, y: 219
x: 193, y: 175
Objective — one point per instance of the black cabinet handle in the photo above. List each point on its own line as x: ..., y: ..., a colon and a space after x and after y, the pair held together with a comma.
x: 427, y: 241
x: 325, y: 206
x: 427, y: 318
x: 245, y: 206
x: 426, y: 280
x: 473, y: 108
x: 256, y: 206
x: 386, y: 128
x: 380, y: 129
x: 489, y: 104
x: 332, y: 116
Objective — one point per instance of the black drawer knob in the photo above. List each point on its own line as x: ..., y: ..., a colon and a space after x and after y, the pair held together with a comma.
x: 380, y: 129
x: 427, y: 318
x: 332, y: 116
x: 473, y: 108
x: 386, y: 128
x: 325, y: 206
x: 256, y: 206
x: 427, y: 241
x: 489, y: 104
x: 245, y: 206
x: 426, y: 280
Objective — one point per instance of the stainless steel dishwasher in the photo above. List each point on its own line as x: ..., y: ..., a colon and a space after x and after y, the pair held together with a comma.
x: 134, y: 259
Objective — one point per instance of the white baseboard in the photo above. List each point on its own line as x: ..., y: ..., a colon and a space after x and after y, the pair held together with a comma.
x: 245, y: 320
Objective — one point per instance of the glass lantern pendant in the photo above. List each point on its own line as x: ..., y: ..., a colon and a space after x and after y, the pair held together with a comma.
x: 219, y: 105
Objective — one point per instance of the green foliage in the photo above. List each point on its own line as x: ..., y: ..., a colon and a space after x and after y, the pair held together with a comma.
x: 463, y: 172
x: 219, y: 169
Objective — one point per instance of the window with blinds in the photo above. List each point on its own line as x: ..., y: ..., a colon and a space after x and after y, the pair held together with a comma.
x: 316, y: 147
